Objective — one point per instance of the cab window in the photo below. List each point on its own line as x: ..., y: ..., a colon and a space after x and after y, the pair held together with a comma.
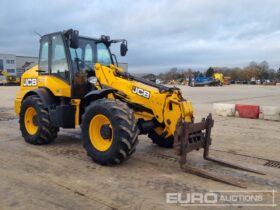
x: 103, y: 55
x: 88, y: 54
x: 83, y: 57
x: 59, y: 65
x: 44, y: 56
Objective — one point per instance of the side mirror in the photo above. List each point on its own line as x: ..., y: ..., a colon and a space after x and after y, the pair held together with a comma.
x: 123, y: 48
x: 74, y: 39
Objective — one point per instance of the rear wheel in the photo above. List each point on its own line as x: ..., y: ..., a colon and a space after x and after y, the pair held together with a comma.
x: 35, y: 123
x: 160, y: 140
x: 109, y: 131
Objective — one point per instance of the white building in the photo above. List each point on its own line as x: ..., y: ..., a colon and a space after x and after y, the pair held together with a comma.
x: 16, y: 65
x: 8, y: 62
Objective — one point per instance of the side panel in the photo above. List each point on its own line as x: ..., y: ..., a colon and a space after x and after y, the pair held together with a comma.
x: 31, y: 81
x: 56, y: 85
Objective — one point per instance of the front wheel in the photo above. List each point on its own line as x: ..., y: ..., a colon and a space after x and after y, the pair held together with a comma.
x: 35, y: 122
x: 109, y: 131
x: 157, y: 138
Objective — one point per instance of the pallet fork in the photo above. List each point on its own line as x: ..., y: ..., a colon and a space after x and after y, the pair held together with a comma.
x: 194, y: 136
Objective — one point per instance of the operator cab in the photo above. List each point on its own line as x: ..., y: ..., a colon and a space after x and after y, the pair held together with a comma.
x: 71, y: 58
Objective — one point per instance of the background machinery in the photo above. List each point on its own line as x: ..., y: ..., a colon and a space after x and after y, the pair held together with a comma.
x: 3, y: 80
x: 78, y: 83
x: 7, y: 78
x: 217, y: 79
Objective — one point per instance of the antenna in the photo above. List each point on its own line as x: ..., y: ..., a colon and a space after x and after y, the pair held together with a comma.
x: 38, y: 34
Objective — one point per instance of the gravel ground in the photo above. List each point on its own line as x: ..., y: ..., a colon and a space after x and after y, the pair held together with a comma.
x: 61, y: 176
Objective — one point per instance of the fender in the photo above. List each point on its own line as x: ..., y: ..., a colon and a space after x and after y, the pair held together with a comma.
x: 45, y: 95
x: 97, y: 94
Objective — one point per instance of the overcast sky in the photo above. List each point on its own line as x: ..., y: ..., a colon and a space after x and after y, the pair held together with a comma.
x: 161, y: 34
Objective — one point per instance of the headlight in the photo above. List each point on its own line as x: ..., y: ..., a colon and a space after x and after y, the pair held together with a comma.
x: 92, y: 80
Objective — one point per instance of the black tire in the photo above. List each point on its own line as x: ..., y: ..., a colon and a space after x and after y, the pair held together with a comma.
x: 45, y: 133
x: 161, y: 141
x: 124, y: 126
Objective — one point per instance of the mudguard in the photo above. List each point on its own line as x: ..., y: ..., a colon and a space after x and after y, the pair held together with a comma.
x: 45, y: 95
x: 97, y: 94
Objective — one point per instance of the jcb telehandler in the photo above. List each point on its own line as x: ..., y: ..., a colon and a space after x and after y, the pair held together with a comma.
x: 78, y: 82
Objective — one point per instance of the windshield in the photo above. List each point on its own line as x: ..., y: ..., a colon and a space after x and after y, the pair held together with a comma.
x: 103, y: 54
x: 85, y: 53
x: 89, y: 53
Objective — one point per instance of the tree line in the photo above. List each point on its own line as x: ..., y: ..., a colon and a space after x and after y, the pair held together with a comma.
x: 258, y: 71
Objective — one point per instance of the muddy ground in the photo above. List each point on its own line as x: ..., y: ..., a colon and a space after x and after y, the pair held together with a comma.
x: 61, y: 176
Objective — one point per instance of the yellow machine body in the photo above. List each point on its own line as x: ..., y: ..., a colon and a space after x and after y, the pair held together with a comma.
x: 167, y: 107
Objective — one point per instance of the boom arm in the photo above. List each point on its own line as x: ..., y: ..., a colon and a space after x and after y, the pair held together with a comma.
x: 150, y: 101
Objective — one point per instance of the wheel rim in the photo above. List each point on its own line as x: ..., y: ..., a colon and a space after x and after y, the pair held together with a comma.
x: 30, y: 113
x: 158, y: 130
x: 98, y: 141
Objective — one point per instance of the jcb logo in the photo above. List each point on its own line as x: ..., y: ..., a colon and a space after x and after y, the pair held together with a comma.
x: 141, y: 92
x: 29, y: 82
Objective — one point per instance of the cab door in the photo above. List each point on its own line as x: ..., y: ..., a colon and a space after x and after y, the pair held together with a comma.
x: 82, y: 58
x: 59, y: 65
x: 54, y: 68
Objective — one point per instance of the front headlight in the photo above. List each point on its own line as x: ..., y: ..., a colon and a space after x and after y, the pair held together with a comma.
x: 92, y: 80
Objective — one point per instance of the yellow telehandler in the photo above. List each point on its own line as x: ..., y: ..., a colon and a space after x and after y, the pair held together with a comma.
x: 78, y: 83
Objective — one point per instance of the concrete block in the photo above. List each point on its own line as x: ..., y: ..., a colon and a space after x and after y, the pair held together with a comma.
x: 224, y: 109
x: 270, y: 113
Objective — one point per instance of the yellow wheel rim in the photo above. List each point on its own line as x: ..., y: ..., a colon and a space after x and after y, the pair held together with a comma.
x: 97, y: 140
x: 29, y: 115
x: 159, y: 130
